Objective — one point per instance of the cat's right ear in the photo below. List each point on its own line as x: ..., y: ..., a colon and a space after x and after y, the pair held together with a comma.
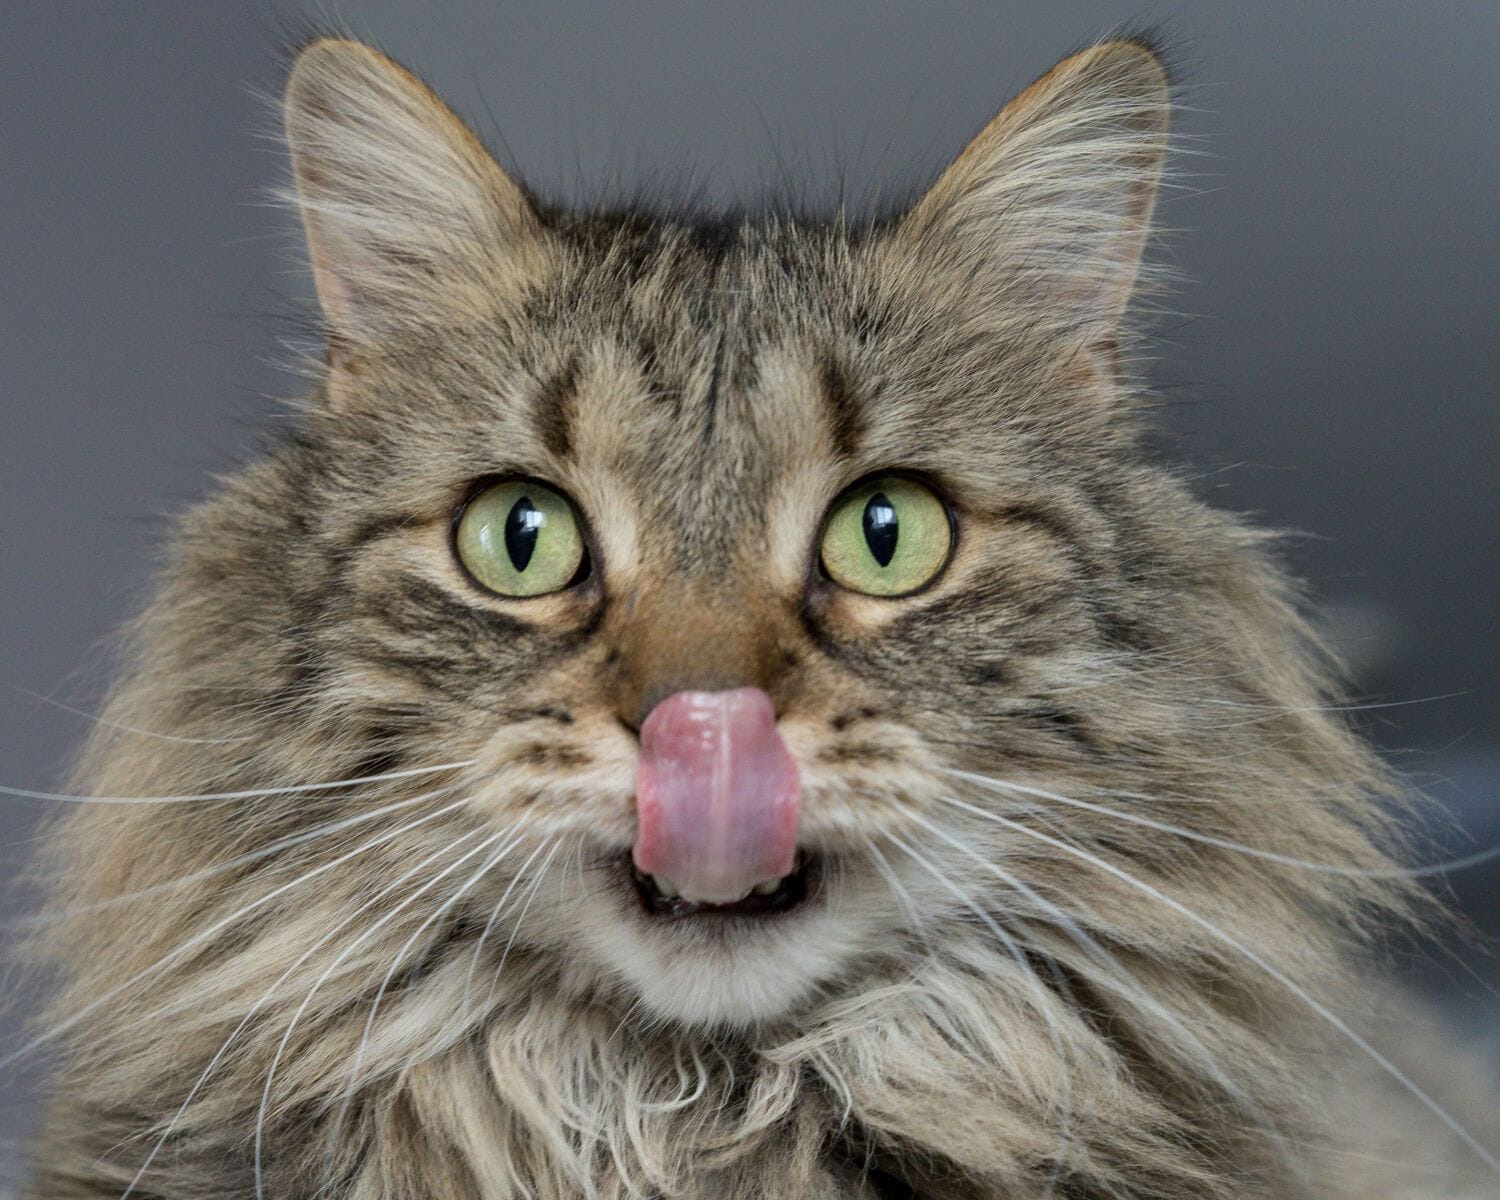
x: 410, y: 222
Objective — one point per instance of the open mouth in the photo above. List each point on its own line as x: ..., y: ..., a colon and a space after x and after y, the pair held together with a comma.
x: 660, y: 896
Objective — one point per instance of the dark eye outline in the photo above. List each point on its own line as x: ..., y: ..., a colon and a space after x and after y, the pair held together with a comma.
x: 477, y: 488
x: 821, y: 576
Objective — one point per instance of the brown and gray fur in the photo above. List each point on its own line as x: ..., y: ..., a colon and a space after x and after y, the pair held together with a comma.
x: 324, y: 992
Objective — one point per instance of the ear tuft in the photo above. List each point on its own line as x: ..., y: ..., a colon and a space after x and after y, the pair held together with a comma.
x: 1055, y: 194
x: 408, y: 218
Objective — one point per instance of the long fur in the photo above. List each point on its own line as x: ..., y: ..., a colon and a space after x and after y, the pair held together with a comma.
x: 434, y: 980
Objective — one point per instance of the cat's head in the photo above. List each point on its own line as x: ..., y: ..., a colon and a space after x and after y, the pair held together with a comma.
x: 815, y: 514
x: 813, y: 571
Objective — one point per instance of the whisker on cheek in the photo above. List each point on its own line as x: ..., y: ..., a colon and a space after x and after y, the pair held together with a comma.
x: 268, y: 851
x: 275, y: 988
x: 246, y: 794
x: 1478, y: 858
x: 122, y: 727
x: 1043, y: 1002
x: 882, y: 864
x: 206, y: 936
x: 494, y: 918
x: 261, y: 1114
x: 505, y: 847
x: 515, y: 931
x: 1117, y: 978
x: 1260, y: 962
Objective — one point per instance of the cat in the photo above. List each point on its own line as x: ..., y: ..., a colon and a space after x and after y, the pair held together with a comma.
x: 728, y: 708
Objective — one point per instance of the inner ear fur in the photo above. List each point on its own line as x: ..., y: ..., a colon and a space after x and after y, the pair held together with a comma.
x: 409, y: 219
x: 1050, y: 205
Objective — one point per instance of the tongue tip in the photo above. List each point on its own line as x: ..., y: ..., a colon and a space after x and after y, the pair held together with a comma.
x: 702, y: 879
x: 727, y: 886
x: 717, y: 795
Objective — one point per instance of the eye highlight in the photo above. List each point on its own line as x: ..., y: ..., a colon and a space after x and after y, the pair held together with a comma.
x: 521, y: 538
x: 887, y: 536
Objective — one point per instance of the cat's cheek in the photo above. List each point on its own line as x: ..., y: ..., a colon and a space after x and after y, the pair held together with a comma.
x: 839, y: 618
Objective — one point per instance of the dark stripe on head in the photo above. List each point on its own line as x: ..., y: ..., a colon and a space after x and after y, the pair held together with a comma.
x: 846, y: 422
x: 414, y: 605
x: 1041, y: 518
x: 553, y: 409
x: 715, y: 382
x: 1063, y: 722
x: 374, y: 528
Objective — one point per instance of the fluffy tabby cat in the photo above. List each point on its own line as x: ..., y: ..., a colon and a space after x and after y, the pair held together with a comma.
x: 726, y: 709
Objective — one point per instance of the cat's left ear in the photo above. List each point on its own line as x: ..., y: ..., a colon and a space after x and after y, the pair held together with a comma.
x: 410, y: 222
x: 1051, y: 203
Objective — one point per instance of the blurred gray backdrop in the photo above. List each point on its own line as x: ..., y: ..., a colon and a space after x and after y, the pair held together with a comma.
x: 1334, y: 368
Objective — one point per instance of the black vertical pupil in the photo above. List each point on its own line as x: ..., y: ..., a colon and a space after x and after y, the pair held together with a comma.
x: 881, y: 528
x: 522, y: 525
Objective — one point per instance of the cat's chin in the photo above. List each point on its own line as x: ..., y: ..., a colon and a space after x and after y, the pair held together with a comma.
x: 732, y: 969
x: 739, y: 983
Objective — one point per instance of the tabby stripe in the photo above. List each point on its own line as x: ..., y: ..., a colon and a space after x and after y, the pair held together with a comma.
x: 553, y: 410
x: 846, y: 424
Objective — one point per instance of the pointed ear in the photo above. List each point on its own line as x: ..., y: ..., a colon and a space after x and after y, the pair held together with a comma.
x: 1052, y: 200
x: 409, y: 220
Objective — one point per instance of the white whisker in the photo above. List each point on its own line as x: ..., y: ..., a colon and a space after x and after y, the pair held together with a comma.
x: 1296, y: 989
x: 399, y: 958
x: 270, y: 992
x: 267, y: 851
x: 247, y: 794
x: 882, y: 864
x: 1457, y: 864
x: 265, y: 1096
x: 347, y: 1098
x: 1040, y: 1002
x: 205, y: 935
x: 515, y: 931
x: 121, y: 727
x: 489, y: 926
x: 1119, y: 980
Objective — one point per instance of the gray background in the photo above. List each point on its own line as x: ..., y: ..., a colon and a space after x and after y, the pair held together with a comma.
x: 1334, y: 369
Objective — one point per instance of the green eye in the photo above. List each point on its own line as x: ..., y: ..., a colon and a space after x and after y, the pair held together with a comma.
x: 520, y: 538
x: 887, y: 537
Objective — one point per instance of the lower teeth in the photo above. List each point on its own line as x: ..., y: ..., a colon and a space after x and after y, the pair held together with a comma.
x: 670, y: 891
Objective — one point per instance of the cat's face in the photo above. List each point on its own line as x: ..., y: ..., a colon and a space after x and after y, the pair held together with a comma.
x: 699, y: 402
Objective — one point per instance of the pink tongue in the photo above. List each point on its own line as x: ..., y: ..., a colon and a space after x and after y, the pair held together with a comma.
x: 716, y: 795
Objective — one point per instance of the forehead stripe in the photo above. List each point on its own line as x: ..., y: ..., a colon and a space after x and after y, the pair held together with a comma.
x: 711, y: 400
x: 553, y: 409
x: 846, y: 423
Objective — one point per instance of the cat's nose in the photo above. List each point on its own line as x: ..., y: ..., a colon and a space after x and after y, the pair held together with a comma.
x: 687, y: 643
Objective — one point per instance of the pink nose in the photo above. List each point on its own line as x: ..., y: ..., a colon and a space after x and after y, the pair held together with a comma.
x: 716, y: 795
